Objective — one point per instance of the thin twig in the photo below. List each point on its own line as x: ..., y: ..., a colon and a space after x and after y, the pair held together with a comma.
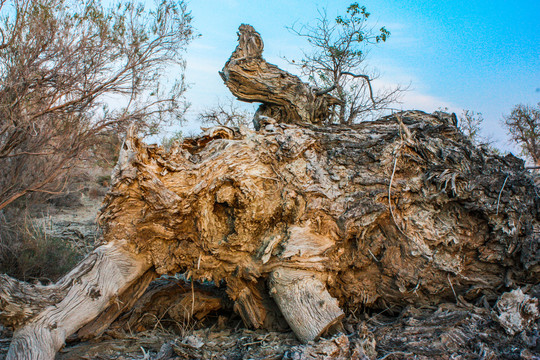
x: 28, y: 153
x: 500, y: 193
x: 258, y: 341
x: 374, y: 257
x: 192, y: 299
x: 47, y: 191
x: 452, y: 286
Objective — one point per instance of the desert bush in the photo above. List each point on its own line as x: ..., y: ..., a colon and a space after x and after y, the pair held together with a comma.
x: 523, y: 126
x: 74, y: 74
x: 226, y: 113
x: 28, y: 252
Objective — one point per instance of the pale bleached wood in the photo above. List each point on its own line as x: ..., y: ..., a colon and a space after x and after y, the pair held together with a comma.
x: 304, y: 302
x: 124, y: 302
x: 108, y: 271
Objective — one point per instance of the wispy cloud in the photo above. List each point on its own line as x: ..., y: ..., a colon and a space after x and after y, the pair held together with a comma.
x: 200, y: 66
x: 199, y: 45
x: 417, y: 100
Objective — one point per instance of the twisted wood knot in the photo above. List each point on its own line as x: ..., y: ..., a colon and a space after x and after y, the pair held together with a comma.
x: 250, y: 44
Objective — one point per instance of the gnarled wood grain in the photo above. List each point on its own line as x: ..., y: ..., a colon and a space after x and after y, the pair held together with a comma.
x: 86, y: 291
x: 284, y: 96
x: 404, y: 210
x: 385, y: 213
x: 305, y: 303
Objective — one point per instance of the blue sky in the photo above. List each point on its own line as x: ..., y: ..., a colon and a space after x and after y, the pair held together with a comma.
x: 478, y: 55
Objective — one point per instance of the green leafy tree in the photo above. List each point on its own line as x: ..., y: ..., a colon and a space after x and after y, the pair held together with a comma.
x: 72, y: 71
x: 336, y: 62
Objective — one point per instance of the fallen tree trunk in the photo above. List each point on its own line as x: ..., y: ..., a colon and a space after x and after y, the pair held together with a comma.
x: 383, y: 213
x: 380, y: 214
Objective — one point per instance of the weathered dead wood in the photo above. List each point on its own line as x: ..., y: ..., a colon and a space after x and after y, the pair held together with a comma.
x: 125, y: 301
x: 284, y: 96
x: 305, y: 303
x: 516, y: 311
x: 339, y: 347
x: 449, y: 330
x: 84, y: 294
x: 171, y: 300
x: 248, y: 301
x: 382, y: 214
x: 236, y: 206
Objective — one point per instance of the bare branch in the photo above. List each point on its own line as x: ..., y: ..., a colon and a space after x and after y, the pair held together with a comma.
x: 28, y: 153
x: 226, y: 114
x: 368, y: 81
x: 326, y: 91
x: 66, y: 68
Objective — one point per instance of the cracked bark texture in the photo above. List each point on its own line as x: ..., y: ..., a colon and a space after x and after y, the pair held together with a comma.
x: 403, y: 210
x: 44, y: 316
x: 385, y: 213
x: 283, y: 96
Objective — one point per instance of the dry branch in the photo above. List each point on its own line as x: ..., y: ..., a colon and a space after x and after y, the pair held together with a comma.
x: 387, y: 213
x: 284, y: 96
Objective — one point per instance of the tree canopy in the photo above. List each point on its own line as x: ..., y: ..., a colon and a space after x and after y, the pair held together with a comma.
x: 71, y: 71
x: 336, y: 62
x: 523, y: 125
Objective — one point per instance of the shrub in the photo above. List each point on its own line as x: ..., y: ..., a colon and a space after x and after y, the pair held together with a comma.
x: 29, y: 252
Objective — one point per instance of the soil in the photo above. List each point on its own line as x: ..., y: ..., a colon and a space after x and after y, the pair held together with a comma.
x: 449, y: 331
x: 76, y: 224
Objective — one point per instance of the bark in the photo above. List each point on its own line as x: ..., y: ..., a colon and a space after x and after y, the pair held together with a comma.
x: 305, y: 303
x: 284, y: 96
x: 404, y: 210
x: 125, y: 301
x: 45, y: 316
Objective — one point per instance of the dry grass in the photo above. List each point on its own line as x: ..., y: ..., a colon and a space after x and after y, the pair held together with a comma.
x: 28, y: 252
